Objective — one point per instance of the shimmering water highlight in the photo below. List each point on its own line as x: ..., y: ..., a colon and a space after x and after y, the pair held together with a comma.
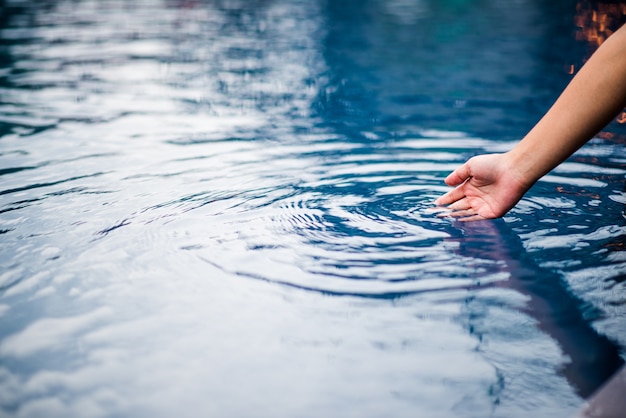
x: 224, y: 208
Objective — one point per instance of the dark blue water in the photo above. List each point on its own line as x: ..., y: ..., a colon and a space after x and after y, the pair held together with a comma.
x: 223, y: 208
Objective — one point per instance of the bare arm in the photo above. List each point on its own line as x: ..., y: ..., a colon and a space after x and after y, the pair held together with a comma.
x: 488, y: 186
x: 594, y: 96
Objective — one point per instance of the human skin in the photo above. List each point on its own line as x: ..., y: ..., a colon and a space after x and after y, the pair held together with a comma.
x: 488, y: 186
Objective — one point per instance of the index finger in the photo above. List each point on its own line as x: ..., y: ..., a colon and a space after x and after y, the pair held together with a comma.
x: 452, y: 196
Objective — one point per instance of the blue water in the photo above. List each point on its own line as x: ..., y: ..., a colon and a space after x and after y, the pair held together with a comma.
x: 224, y: 209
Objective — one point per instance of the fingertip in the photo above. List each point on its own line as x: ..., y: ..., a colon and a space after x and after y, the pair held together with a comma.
x: 454, y: 179
x: 444, y: 200
x: 458, y: 176
x: 449, y: 179
x: 450, y: 197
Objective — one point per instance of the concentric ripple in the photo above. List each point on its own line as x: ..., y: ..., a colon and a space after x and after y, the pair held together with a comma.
x: 225, y: 208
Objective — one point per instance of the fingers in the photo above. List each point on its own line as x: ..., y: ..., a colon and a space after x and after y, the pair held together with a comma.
x: 461, y: 210
x: 463, y: 215
x: 460, y: 205
x: 472, y: 218
x: 456, y: 211
x: 458, y: 176
x: 451, y: 197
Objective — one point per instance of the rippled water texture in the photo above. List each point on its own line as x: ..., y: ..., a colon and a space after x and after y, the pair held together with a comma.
x: 223, y: 209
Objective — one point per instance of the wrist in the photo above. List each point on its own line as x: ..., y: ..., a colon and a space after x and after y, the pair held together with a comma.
x: 522, y: 166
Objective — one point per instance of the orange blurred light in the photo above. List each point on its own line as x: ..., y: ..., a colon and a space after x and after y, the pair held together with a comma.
x: 597, y: 21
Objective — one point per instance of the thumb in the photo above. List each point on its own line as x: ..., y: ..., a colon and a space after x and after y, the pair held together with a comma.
x: 459, y: 175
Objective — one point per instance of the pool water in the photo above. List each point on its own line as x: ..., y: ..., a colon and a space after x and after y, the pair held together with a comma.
x: 224, y: 208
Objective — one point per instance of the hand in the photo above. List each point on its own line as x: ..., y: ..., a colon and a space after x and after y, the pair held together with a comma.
x: 487, y: 186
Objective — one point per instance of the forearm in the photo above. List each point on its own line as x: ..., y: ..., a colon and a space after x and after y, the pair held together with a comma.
x: 594, y: 96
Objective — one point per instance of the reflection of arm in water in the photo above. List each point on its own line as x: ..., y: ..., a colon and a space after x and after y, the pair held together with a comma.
x: 609, y: 400
x: 593, y: 358
x: 488, y: 186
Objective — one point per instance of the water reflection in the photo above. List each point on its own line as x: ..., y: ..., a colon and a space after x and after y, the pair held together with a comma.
x: 591, y: 357
x: 221, y: 207
x: 491, y: 70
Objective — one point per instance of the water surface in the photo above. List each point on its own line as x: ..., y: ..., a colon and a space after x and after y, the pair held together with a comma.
x: 223, y: 208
